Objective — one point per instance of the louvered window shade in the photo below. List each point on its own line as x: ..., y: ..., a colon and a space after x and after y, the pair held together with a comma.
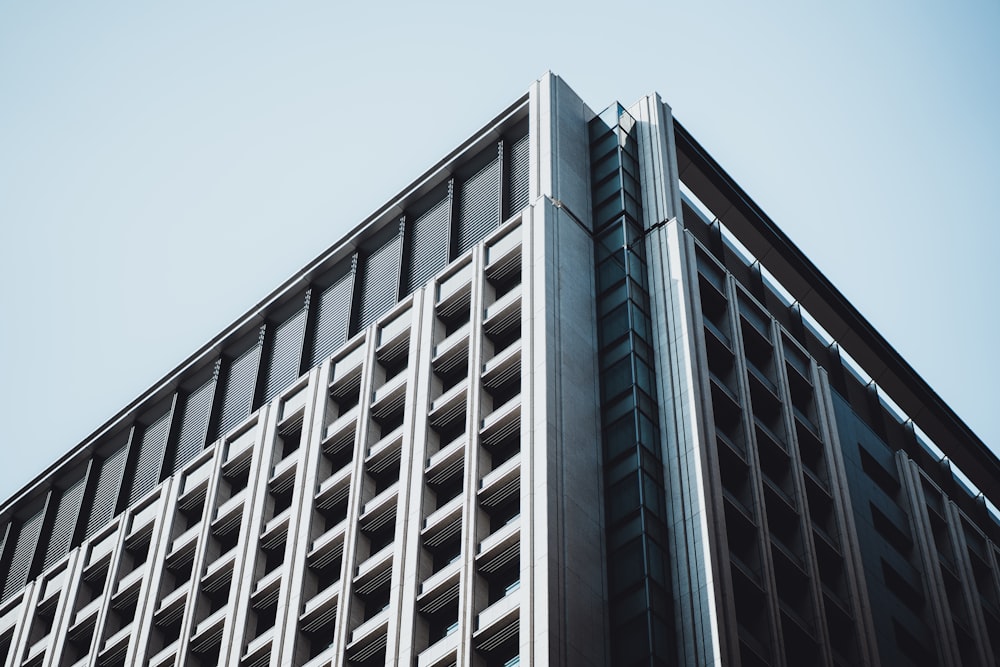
x: 24, y: 551
x: 428, y: 244
x: 332, y: 317
x: 109, y: 479
x: 479, y: 206
x: 194, y: 424
x: 240, y: 384
x: 65, y: 522
x: 380, y: 283
x: 286, y: 353
x: 519, y: 185
x: 152, y: 446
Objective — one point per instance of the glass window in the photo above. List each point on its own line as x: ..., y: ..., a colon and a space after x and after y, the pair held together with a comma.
x: 642, y: 350
x: 618, y: 439
x: 629, y: 165
x: 629, y: 184
x: 637, y: 269
x: 638, y: 293
x: 615, y: 324
x: 644, y: 377
x: 610, y: 271
x: 630, y: 604
x: 627, y: 566
x: 646, y: 404
x: 657, y: 562
x: 623, y: 498
x: 616, y: 351
x: 632, y: 207
x: 651, y: 466
x: 647, y: 433
x: 633, y: 231
x: 608, y: 188
x: 612, y: 297
x: 652, y: 496
x: 656, y: 531
x: 609, y: 209
x: 661, y: 641
x: 640, y: 325
x: 624, y: 532
x: 616, y: 379
x: 619, y: 408
x: 632, y: 641
x: 623, y: 467
x: 659, y: 600
x: 603, y: 167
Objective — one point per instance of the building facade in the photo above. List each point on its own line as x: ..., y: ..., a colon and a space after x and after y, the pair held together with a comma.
x: 571, y: 398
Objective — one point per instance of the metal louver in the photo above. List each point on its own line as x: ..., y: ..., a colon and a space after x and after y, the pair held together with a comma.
x: 286, y: 351
x: 428, y: 244
x: 332, y: 316
x: 65, y: 522
x: 479, y: 206
x: 240, y: 385
x: 194, y: 424
x: 106, y: 495
x: 380, y: 283
x: 147, y: 466
x: 24, y: 552
x: 519, y: 186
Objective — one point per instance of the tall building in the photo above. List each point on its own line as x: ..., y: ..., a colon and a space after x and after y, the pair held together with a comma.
x: 570, y: 398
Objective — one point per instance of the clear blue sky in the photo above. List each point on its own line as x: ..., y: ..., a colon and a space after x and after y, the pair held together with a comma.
x: 163, y: 166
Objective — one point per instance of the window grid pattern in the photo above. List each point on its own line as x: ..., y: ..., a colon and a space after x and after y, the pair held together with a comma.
x: 284, y: 514
x: 751, y: 327
x: 782, y: 513
x: 346, y: 456
x: 641, y: 611
x: 323, y: 326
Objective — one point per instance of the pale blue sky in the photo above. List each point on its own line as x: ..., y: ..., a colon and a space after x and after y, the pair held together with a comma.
x: 162, y: 167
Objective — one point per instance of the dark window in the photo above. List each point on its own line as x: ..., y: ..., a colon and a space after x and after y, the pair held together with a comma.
x: 286, y: 354
x: 380, y: 282
x: 428, y: 244
x: 194, y: 424
x: 65, y: 522
x: 109, y: 479
x: 878, y: 473
x: 902, y: 589
x: 333, y: 311
x: 241, y: 380
x: 897, y: 536
x: 519, y: 189
x: 478, y: 205
x: 24, y: 552
x: 152, y: 445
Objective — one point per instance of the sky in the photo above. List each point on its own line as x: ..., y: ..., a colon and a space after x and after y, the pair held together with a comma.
x: 163, y: 166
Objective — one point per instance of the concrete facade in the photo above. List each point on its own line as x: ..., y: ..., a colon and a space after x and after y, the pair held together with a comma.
x: 568, y: 399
